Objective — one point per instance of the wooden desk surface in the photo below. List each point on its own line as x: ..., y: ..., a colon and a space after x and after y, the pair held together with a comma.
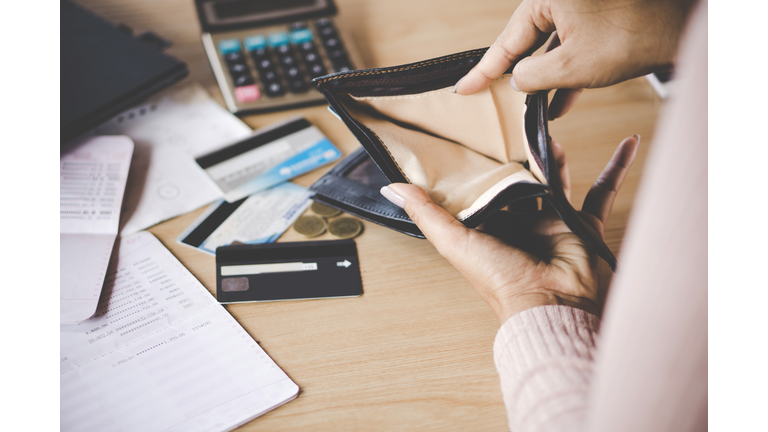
x: 415, y: 351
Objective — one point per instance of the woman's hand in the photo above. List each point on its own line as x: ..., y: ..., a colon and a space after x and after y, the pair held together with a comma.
x: 598, y: 43
x: 532, y: 259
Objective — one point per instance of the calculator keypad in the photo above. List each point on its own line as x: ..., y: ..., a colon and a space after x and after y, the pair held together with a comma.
x: 283, y: 62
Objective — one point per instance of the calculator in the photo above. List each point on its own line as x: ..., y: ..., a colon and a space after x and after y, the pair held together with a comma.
x: 264, y: 53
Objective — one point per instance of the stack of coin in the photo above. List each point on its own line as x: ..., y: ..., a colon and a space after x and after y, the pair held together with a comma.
x: 345, y: 227
x: 313, y: 226
x: 324, y: 211
x: 310, y: 226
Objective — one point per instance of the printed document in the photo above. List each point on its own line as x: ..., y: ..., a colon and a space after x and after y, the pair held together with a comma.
x: 92, y: 178
x: 162, y: 355
x: 169, y: 132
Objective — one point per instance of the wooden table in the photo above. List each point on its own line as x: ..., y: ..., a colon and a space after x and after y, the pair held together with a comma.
x: 415, y: 351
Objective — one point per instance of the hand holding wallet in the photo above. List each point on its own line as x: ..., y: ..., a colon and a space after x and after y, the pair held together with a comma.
x: 473, y: 155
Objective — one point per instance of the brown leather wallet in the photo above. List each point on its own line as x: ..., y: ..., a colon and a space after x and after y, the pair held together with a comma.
x: 473, y: 155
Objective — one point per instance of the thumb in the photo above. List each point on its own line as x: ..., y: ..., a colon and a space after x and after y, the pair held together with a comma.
x: 440, y: 228
x: 556, y: 69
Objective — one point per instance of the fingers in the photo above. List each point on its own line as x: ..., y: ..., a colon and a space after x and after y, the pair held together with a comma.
x: 562, y: 166
x: 440, y: 228
x: 520, y: 38
x: 556, y: 69
x: 599, y: 200
x: 562, y: 102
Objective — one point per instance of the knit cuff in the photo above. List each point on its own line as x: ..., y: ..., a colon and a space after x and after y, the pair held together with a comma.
x: 544, y: 358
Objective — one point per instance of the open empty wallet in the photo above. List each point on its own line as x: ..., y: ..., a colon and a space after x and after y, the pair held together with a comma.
x: 473, y: 155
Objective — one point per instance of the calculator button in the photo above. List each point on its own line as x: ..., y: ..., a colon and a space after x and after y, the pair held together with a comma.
x: 298, y: 86
x: 229, y: 46
x: 292, y: 72
x: 316, y: 70
x: 274, y: 89
x: 242, y: 80
x: 276, y: 39
x: 234, y: 57
x: 300, y: 25
x: 259, y: 53
x: 283, y: 49
x: 248, y: 93
x: 327, y: 33
x: 299, y: 37
x: 333, y: 55
x: 255, y: 42
x: 268, y: 75
x: 311, y: 58
x: 264, y: 64
x: 237, y: 68
x: 307, y: 46
x: 332, y: 43
x: 287, y: 61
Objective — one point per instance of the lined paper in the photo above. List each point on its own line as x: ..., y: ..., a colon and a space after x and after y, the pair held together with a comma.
x: 161, y: 354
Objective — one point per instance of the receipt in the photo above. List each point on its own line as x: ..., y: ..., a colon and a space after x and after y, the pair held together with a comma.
x: 92, y: 178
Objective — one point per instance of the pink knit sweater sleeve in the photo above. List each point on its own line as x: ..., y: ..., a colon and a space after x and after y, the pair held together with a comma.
x: 544, y: 357
x: 651, y: 371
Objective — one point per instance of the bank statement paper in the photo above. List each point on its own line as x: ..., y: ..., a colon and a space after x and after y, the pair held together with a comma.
x: 161, y: 354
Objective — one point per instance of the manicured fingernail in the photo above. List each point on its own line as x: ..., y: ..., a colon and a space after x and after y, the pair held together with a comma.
x: 453, y: 90
x: 393, y: 197
x: 512, y: 83
x: 637, y: 137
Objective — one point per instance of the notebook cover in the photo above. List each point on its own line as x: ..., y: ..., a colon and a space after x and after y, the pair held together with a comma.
x: 105, y: 71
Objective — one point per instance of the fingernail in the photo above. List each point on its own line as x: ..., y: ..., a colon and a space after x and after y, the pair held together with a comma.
x: 393, y: 197
x: 512, y: 83
x: 453, y: 90
x: 637, y: 137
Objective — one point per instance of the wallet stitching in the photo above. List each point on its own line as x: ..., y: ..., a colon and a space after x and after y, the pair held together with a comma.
x: 418, y: 65
x: 414, y: 96
x: 374, y: 210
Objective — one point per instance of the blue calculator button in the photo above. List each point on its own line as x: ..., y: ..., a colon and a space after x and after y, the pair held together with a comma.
x: 229, y: 45
x: 277, y: 39
x: 255, y: 42
x: 301, y: 36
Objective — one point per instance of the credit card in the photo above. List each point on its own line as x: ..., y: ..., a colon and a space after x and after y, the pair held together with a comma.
x: 287, y: 271
x: 259, y: 218
x: 270, y: 156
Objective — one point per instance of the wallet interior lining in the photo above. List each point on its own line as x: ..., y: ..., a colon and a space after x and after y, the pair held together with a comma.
x: 462, y: 150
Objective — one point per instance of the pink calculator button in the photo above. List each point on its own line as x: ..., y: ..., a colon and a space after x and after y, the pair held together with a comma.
x: 247, y: 93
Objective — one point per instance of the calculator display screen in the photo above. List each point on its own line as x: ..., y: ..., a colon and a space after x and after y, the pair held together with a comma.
x: 221, y: 15
x: 236, y: 8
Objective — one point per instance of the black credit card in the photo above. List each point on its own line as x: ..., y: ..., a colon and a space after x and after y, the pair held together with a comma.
x: 287, y: 271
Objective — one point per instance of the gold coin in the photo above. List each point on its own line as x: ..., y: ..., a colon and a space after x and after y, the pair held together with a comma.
x: 310, y: 226
x: 345, y: 227
x: 324, y: 211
